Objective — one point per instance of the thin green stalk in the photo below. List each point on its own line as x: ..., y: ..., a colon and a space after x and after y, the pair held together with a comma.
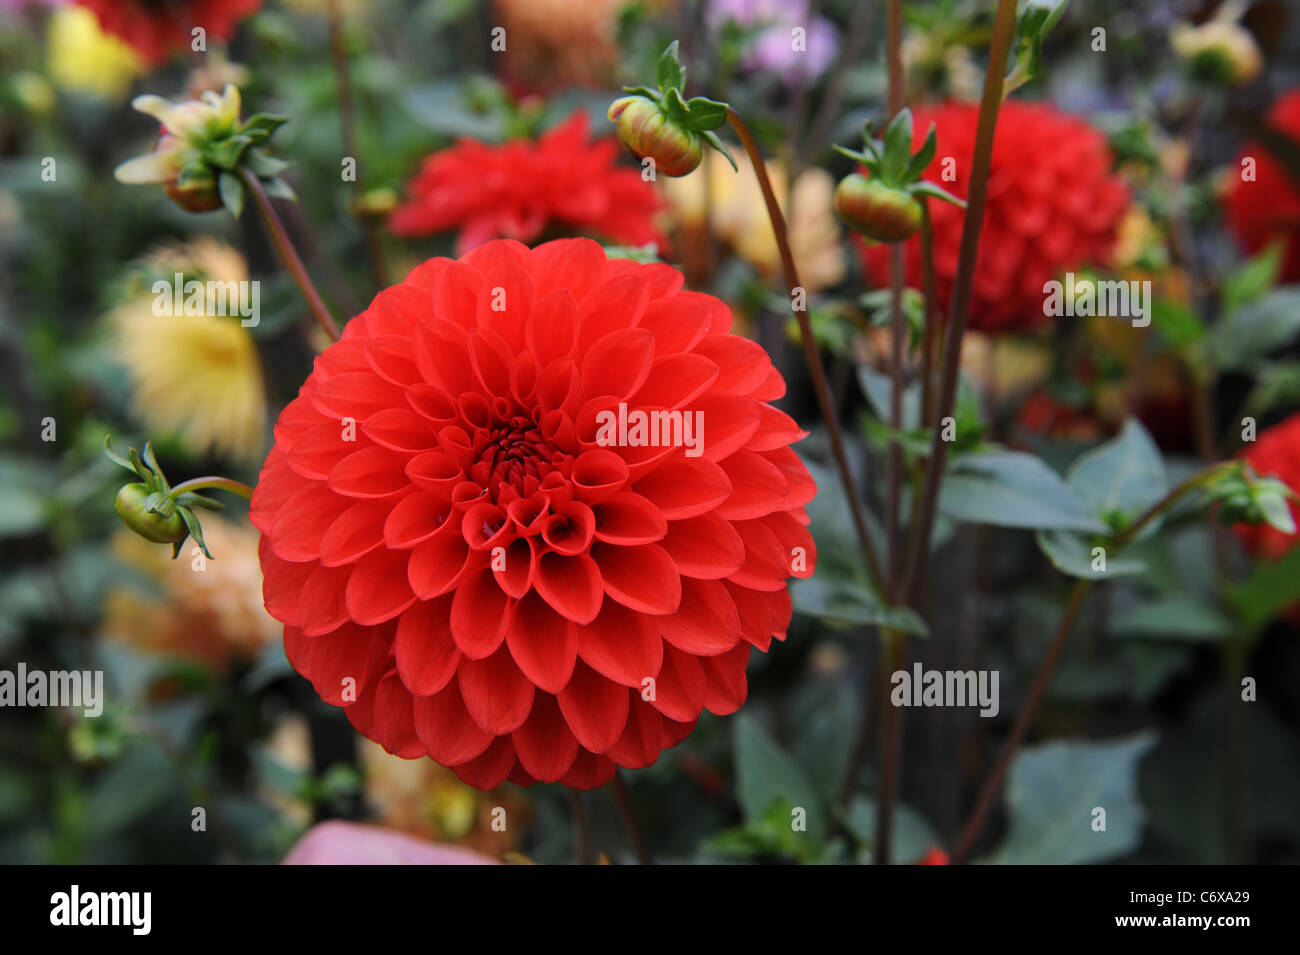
x: 1003, y: 31
x: 820, y: 387
x: 289, y: 255
x: 214, y: 482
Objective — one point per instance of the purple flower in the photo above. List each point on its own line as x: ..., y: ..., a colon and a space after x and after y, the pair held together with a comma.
x: 788, y: 40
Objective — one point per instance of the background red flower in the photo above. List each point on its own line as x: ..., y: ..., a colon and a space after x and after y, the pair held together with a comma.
x: 1275, y: 453
x: 521, y: 188
x: 1269, y: 207
x: 1053, y: 206
x: 157, y: 28
x: 496, y: 584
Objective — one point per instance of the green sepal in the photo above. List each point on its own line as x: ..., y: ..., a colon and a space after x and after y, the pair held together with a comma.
x: 196, y: 531
x: 898, y: 148
x: 670, y: 74
x: 712, y: 139
x: 232, y: 193
x: 279, y: 189
x: 921, y: 160
x: 263, y: 166
x: 927, y: 188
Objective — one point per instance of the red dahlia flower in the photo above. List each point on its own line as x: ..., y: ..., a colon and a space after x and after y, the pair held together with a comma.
x: 1052, y: 206
x: 1269, y: 207
x: 520, y: 188
x: 1275, y: 453
x: 462, y: 563
x: 155, y: 29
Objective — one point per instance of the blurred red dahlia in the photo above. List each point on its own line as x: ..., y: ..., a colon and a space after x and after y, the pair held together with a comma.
x: 462, y: 563
x: 1053, y: 206
x: 155, y: 29
x: 1269, y: 207
x: 518, y: 189
x: 1275, y: 453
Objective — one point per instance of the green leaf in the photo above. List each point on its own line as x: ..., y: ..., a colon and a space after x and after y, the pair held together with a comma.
x: 927, y: 188
x: 1177, y: 324
x: 848, y: 603
x: 1052, y: 792
x: 898, y: 147
x: 279, y: 189
x: 766, y: 774
x: 918, y: 163
x: 1175, y: 617
x: 1013, y: 489
x: 1248, y: 333
x: 1254, y: 279
x: 226, y: 153
x: 1272, y: 588
x: 1037, y: 17
x: 671, y: 74
x: 912, y: 836
x: 263, y: 166
x: 705, y: 114
x: 232, y: 193
x: 1121, y: 478
x: 268, y: 122
x: 1072, y: 555
x: 712, y: 139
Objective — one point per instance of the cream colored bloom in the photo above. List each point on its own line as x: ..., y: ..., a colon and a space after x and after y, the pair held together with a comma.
x: 195, y: 376
x: 84, y: 59
x: 737, y: 214
x: 1220, y: 44
x: 188, y: 125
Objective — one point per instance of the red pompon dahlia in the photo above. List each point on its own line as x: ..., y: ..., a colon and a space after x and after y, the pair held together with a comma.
x: 479, y: 548
x: 1268, y: 207
x: 156, y: 29
x: 521, y: 188
x: 1052, y: 206
x: 1276, y: 454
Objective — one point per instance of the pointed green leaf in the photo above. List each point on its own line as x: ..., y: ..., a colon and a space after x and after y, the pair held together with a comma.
x: 671, y: 74
x: 232, y: 193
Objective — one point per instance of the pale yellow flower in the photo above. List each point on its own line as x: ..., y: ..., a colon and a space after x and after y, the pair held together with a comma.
x: 189, y: 124
x: 195, y: 376
x: 737, y: 214
x: 84, y: 59
x: 208, y: 610
x: 1220, y: 45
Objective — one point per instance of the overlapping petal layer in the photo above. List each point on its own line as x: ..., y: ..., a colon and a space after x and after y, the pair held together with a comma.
x: 464, y: 561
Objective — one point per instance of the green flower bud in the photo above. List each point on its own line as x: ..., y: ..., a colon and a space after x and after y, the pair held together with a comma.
x: 645, y: 130
x: 877, y: 211
x: 151, y: 514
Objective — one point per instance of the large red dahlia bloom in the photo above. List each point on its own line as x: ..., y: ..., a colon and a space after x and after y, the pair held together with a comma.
x: 156, y: 29
x: 521, y: 188
x: 1269, y: 207
x: 465, y: 564
x: 1275, y: 453
x: 1052, y: 206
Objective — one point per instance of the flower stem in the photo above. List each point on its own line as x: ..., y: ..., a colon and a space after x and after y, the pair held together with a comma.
x: 581, y: 829
x: 893, y: 644
x: 289, y: 255
x: 623, y: 800
x: 993, y: 783
x: 214, y: 482
x: 820, y: 387
x: 1003, y: 30
x: 348, y: 128
x: 931, y: 314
